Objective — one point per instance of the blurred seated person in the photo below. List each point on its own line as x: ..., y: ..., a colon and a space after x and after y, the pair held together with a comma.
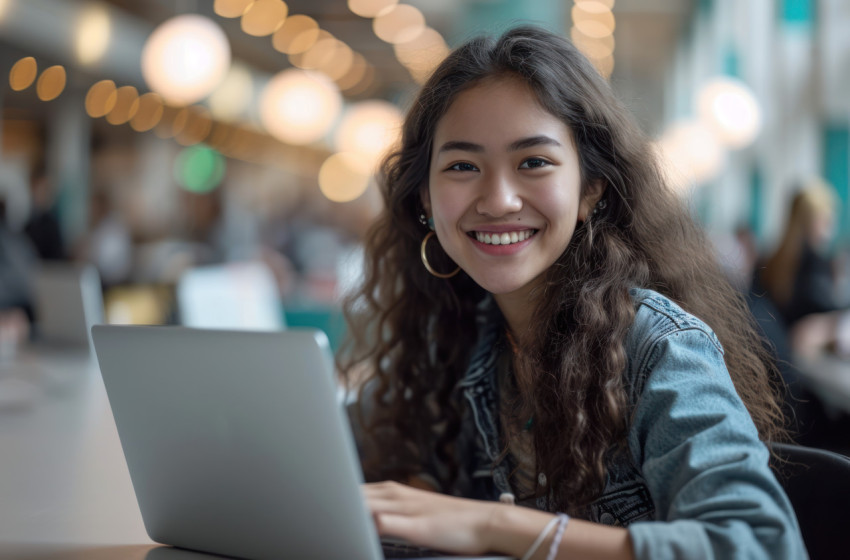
x: 739, y: 256
x: 43, y: 225
x: 801, y: 277
x: 17, y: 259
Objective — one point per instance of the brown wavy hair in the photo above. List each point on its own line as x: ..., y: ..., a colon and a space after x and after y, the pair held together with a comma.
x: 414, y: 332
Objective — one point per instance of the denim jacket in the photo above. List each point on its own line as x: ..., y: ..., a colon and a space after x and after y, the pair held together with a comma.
x: 695, y: 482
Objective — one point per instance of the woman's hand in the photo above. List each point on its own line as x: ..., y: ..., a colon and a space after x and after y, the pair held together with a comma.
x: 462, y: 526
x: 429, y: 519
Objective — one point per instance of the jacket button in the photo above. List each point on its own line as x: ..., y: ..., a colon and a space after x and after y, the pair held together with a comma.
x: 541, y: 479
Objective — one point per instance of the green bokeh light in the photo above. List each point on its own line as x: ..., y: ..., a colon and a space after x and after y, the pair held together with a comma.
x: 199, y: 169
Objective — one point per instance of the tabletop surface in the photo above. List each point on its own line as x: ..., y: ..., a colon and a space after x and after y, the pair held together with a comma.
x: 65, y: 491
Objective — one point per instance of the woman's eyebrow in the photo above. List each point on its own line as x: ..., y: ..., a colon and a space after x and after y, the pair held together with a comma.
x: 532, y: 141
x: 462, y: 146
x: 520, y: 144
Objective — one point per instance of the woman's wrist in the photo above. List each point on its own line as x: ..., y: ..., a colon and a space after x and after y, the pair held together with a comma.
x: 512, y: 529
x: 487, y: 527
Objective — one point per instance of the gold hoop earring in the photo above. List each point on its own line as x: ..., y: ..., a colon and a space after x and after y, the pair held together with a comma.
x: 424, y: 256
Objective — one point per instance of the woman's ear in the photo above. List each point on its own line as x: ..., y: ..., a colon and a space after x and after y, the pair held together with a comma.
x: 592, y: 193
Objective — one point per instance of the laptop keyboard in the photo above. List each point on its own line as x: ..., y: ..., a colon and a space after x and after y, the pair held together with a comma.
x: 396, y: 549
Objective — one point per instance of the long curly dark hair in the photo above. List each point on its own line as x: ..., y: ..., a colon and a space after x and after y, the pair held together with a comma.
x: 413, y: 333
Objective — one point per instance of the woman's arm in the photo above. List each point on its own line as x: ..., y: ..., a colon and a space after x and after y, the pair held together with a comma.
x: 699, y: 453
x: 463, y: 526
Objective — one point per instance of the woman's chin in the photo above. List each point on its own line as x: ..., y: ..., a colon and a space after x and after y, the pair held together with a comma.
x: 503, y: 286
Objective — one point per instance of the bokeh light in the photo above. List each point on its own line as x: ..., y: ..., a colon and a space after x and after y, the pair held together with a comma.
x: 220, y: 136
x: 165, y: 127
x: 101, y: 98
x: 297, y: 34
x: 330, y: 56
x: 366, y: 83
x: 606, y: 3
x: 600, y: 5
x: 594, y: 19
x: 368, y: 129
x: 299, y: 106
x: 199, y: 169
x: 343, y: 177
x: 197, y: 127
x: 592, y: 47
x: 729, y: 107
x: 690, y: 153
x: 126, y: 105
x: 232, y: 98
x: 297, y: 59
x: 51, y: 83
x: 340, y: 64
x: 185, y: 58
x: 264, y: 17
x: 149, y: 113
x: 319, y: 54
x: 179, y: 121
x: 423, y: 54
x: 355, y: 73
x: 4, y: 8
x: 231, y: 8
x: 370, y: 8
x: 94, y: 29
x: 23, y: 73
x: 399, y: 24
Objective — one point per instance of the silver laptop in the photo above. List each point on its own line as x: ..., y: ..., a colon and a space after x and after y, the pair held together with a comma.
x: 236, y: 441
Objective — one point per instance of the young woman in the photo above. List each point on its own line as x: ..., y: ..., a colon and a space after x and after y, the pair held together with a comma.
x: 538, y: 320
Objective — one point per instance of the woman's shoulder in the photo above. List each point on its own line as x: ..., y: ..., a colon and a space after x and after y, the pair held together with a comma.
x: 661, y: 327
x: 657, y: 317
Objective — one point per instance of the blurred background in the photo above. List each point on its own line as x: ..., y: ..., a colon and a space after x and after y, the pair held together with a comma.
x: 212, y: 161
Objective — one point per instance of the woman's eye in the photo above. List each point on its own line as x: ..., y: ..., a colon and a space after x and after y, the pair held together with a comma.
x: 533, y: 163
x: 462, y: 166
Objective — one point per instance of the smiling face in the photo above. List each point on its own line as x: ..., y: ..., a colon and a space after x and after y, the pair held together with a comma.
x: 504, y: 187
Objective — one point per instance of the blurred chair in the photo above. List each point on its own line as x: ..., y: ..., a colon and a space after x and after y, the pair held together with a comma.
x: 818, y: 484
x: 230, y: 296
x: 67, y: 301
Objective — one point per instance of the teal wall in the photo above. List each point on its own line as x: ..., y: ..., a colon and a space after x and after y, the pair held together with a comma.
x: 494, y: 16
x: 756, y: 217
x: 836, y: 170
x: 797, y: 11
x: 327, y: 319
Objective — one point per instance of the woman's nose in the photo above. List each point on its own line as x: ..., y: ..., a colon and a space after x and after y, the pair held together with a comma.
x: 499, y: 196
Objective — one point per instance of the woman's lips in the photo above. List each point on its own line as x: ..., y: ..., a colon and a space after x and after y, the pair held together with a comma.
x: 490, y: 242
x: 503, y: 238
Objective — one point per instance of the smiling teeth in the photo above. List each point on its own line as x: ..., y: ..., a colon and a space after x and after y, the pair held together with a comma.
x: 506, y: 238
